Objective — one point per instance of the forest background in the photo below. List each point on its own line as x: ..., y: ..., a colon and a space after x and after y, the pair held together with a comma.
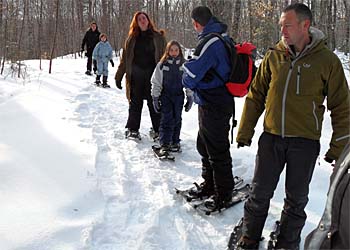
x: 34, y: 29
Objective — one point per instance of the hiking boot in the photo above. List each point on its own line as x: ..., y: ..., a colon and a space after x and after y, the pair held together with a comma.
x: 203, y: 190
x: 246, y: 243
x: 175, y: 147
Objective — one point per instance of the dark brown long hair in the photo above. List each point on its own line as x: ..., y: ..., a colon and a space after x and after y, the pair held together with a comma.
x: 134, y: 29
x: 167, y: 49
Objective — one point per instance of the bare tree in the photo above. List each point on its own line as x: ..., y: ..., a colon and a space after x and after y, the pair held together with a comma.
x: 55, y: 35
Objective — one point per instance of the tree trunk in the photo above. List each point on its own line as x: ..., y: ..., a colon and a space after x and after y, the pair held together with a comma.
x: 347, y: 25
x: 19, y: 49
x: 55, y: 35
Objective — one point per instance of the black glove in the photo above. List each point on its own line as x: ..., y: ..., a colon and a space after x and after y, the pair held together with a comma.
x: 240, y: 145
x: 118, y: 84
x: 189, y: 103
x: 329, y: 160
x: 111, y: 61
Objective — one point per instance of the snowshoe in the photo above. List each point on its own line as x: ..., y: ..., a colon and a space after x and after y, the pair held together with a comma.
x: 162, y: 153
x: 216, y: 204
x: 271, y: 244
x: 202, y: 191
x: 235, y: 236
x: 132, y: 134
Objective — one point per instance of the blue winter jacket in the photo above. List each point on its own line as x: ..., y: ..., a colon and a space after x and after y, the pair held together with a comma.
x: 103, y: 52
x: 215, y: 56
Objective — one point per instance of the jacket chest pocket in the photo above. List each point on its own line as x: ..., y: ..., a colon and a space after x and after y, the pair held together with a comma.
x: 307, y: 81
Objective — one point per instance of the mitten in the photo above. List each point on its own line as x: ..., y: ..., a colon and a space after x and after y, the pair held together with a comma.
x: 189, y: 103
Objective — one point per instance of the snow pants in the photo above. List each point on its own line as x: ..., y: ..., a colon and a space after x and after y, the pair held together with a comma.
x: 214, y: 147
x: 171, y: 118
x: 102, y: 67
x: 140, y: 90
x: 89, y: 60
x: 274, y: 152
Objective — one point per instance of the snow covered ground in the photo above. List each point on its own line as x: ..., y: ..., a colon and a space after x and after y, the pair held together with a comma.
x: 69, y: 179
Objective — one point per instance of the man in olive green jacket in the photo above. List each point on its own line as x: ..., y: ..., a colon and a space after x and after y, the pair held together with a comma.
x: 291, y: 85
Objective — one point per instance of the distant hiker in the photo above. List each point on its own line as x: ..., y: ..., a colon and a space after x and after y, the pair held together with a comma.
x: 168, y: 96
x: 103, y: 53
x: 291, y: 85
x: 91, y: 38
x: 215, y: 107
x: 143, y: 49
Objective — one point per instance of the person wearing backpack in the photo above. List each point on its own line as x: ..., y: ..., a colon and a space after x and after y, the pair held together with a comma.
x: 291, y: 84
x: 168, y: 96
x: 215, y: 107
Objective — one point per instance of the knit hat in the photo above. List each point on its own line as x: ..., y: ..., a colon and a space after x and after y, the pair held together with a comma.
x: 201, y: 14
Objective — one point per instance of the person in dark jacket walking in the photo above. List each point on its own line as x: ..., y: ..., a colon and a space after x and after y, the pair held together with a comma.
x: 142, y: 51
x: 215, y: 107
x: 91, y: 38
x: 168, y: 96
x: 291, y: 85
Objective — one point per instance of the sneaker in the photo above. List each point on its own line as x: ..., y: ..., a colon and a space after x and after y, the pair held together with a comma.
x: 175, y: 147
x: 203, y: 190
x: 88, y: 72
x: 245, y: 243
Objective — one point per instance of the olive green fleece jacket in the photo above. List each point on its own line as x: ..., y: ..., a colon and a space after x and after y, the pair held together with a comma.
x: 125, y: 66
x: 292, y: 89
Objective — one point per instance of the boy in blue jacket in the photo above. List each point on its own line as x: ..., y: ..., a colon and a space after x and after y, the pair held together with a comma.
x: 103, y: 53
x: 215, y: 107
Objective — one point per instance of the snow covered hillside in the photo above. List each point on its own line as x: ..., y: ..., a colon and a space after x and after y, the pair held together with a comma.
x: 70, y: 180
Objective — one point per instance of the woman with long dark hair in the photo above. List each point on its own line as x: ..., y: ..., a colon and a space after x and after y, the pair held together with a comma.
x: 143, y: 49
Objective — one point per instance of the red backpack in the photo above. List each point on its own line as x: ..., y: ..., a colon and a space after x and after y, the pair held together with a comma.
x: 243, y: 69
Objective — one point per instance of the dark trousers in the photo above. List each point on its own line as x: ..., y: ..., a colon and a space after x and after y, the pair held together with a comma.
x: 171, y: 119
x: 140, y: 90
x: 89, y: 60
x: 214, y: 146
x: 274, y: 152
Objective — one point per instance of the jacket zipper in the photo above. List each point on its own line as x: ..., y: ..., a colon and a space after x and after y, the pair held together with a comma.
x: 284, y: 99
x: 314, y: 113
x: 298, y: 81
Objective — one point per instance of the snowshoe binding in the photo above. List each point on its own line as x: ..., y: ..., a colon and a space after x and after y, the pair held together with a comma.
x: 162, y: 152
x: 202, y: 191
x: 175, y: 147
x: 220, y: 202
x: 271, y: 244
x: 132, y: 134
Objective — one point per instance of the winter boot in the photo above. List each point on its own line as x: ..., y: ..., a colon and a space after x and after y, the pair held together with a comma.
x: 203, y: 190
x: 164, y: 148
x: 104, y: 82
x: 98, y: 81
x: 154, y: 135
x: 88, y: 72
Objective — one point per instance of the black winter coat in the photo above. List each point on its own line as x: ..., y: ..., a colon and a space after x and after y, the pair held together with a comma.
x: 91, y: 38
